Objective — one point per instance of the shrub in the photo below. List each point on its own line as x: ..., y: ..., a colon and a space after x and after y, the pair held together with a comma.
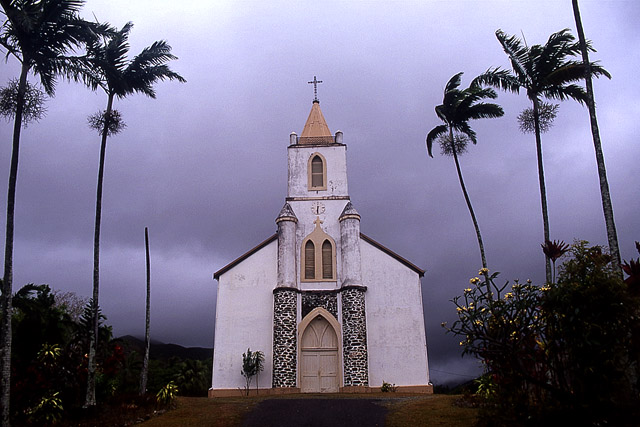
x: 48, y: 411
x: 167, y: 394
x: 565, y: 351
x: 252, y: 365
x: 386, y: 387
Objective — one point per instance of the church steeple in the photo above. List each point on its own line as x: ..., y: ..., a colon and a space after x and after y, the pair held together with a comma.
x: 315, y: 130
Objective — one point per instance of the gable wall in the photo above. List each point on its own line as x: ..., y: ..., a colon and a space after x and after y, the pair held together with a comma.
x: 396, y: 338
x: 244, y: 318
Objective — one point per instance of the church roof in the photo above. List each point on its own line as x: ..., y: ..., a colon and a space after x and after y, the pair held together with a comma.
x: 366, y: 238
x: 316, y: 130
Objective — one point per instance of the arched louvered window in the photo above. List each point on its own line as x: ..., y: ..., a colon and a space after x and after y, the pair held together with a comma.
x: 309, y: 260
x: 317, y: 172
x: 318, y: 256
x: 327, y: 260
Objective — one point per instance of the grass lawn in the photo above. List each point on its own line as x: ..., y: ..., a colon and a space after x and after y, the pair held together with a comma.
x: 404, y: 410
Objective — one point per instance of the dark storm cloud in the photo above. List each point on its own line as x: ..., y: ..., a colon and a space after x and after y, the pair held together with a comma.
x: 204, y: 165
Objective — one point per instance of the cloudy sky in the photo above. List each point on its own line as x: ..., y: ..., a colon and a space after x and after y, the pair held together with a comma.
x: 204, y: 165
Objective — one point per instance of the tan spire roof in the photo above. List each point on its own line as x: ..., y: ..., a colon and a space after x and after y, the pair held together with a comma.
x: 316, y: 130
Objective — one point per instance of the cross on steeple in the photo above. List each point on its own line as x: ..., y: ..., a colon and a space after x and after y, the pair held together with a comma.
x: 315, y: 88
x: 318, y: 221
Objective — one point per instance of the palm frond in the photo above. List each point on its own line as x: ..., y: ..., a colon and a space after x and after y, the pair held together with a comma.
x: 121, y: 76
x: 518, y: 53
x: 41, y: 33
x: 443, y: 111
x: 453, y: 83
x: 498, y: 78
x: 573, y: 91
x: 485, y: 110
x: 560, y: 45
x: 597, y: 70
x: 433, y: 135
x: 570, y: 71
x: 466, y: 129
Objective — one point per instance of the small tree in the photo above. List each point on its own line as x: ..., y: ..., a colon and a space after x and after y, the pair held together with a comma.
x: 259, y: 359
x: 252, y: 364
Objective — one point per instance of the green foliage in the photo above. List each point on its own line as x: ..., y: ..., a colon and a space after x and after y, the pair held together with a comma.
x: 193, y: 378
x: 386, y: 387
x: 632, y: 269
x: 48, y: 411
x: 486, y: 386
x: 593, y: 331
x: 566, y: 351
x: 167, y: 394
x: 49, y: 350
x: 252, y: 365
x: 50, y: 354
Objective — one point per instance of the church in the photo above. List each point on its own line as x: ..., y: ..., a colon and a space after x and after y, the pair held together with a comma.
x: 331, y: 309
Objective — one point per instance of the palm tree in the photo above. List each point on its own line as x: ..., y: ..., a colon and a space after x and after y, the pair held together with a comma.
x: 118, y: 77
x: 39, y: 34
x: 612, y: 234
x: 542, y: 71
x: 147, y: 337
x: 457, y: 108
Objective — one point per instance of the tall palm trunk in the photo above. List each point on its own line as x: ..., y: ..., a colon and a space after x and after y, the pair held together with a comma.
x: 543, y: 188
x: 466, y: 198
x: 7, y: 281
x: 612, y: 235
x: 90, y: 399
x: 147, y: 338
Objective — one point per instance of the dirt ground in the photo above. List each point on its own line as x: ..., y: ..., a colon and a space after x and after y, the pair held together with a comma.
x: 383, y: 409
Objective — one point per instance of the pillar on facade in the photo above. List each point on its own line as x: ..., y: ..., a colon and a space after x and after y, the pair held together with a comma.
x: 354, y: 321
x: 285, y: 347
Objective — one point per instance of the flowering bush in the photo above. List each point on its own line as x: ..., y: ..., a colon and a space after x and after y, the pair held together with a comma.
x: 500, y: 326
x: 564, y: 352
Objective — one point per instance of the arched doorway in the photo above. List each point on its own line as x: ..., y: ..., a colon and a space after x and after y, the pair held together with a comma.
x: 319, y: 353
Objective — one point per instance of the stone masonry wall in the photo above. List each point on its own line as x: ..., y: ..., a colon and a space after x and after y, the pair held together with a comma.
x: 354, y: 337
x: 324, y: 299
x: 284, y: 337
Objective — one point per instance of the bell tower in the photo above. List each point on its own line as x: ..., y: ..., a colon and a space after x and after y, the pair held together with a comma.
x: 319, y: 233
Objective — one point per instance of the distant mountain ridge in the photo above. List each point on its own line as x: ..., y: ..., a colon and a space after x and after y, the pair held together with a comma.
x: 161, y: 351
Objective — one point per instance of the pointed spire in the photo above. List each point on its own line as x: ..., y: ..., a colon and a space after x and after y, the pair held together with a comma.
x: 286, y: 214
x: 349, y: 212
x: 316, y: 130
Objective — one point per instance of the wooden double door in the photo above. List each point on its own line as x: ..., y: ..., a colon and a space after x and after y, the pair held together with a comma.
x: 319, y: 358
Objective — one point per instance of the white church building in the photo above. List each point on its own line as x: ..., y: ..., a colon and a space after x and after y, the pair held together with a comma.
x: 331, y: 309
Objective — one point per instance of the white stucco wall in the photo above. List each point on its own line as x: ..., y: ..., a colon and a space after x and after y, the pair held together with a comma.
x: 244, y: 318
x: 336, y: 161
x: 396, y: 338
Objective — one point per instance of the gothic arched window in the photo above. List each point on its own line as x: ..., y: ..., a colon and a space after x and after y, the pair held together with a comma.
x: 317, y: 172
x: 327, y: 260
x: 318, y: 254
x: 309, y: 260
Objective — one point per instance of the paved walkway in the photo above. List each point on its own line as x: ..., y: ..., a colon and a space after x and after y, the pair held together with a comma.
x: 317, y: 413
